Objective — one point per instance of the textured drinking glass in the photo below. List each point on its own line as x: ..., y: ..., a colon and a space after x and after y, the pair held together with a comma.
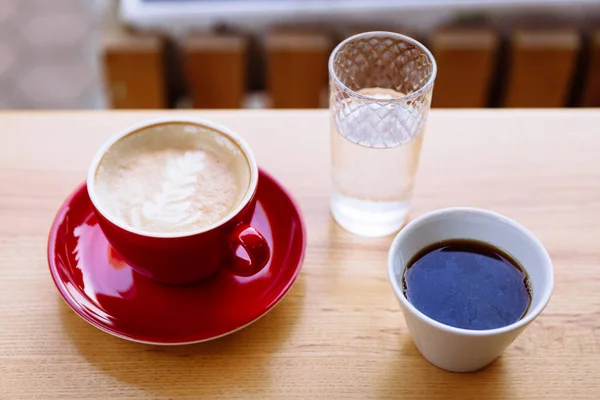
x: 380, y: 94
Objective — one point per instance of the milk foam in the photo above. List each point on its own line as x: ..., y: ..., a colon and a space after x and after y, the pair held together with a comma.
x: 170, y: 181
x: 173, y: 203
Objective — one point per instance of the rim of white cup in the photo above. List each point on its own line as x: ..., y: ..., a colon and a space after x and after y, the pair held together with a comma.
x: 133, y: 129
x: 531, y: 314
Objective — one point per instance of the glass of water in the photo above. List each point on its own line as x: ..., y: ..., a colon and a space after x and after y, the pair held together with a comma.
x: 380, y: 94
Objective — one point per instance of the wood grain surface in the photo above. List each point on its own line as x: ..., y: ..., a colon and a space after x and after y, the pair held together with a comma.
x: 339, y: 334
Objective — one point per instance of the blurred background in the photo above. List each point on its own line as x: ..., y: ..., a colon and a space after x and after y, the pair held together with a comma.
x: 155, y: 54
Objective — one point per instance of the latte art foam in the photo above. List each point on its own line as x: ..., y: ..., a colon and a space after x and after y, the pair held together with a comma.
x: 178, y: 186
x: 173, y: 203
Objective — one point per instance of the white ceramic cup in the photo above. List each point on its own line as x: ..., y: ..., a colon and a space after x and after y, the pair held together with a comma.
x: 456, y: 349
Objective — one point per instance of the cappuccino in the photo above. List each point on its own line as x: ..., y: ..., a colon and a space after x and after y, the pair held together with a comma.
x: 172, y: 178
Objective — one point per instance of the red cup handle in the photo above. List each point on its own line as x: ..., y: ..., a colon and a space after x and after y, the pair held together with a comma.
x: 255, y: 245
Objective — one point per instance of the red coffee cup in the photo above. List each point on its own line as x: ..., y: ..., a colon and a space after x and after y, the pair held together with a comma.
x: 184, y: 258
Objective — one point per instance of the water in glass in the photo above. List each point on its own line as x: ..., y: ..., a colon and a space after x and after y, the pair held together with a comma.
x: 381, y: 85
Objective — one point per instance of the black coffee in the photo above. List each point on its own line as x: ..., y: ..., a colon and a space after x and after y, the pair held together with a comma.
x: 467, y: 284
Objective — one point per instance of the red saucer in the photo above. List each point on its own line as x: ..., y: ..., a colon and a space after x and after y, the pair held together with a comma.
x: 107, y: 293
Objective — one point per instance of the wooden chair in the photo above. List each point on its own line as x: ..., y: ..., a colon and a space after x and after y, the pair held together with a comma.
x: 134, y: 70
x: 541, y: 67
x: 591, y: 90
x: 466, y: 60
x: 215, y: 69
x: 297, y: 68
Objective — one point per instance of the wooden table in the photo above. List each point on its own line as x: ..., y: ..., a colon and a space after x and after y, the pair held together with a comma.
x: 339, y: 334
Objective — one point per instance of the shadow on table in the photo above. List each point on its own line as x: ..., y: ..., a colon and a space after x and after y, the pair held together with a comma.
x: 412, y: 377
x: 233, y: 366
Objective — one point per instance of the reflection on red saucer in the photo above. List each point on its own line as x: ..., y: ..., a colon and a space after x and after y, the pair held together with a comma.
x: 99, y: 286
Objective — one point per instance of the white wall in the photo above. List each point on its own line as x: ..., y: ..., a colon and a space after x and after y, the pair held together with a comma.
x: 48, y: 54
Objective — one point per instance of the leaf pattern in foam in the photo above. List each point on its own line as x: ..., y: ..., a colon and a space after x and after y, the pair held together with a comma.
x: 173, y: 203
